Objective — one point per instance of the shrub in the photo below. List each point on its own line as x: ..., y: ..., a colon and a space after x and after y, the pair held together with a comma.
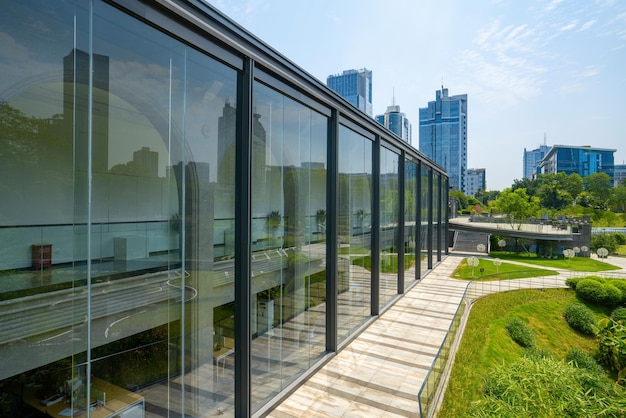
x: 613, y: 295
x: 582, y: 360
x: 580, y: 318
x: 612, y: 345
x: 520, y: 332
x: 619, y: 314
x: 621, y: 285
x: 572, y: 282
x: 546, y: 388
x: 591, y: 291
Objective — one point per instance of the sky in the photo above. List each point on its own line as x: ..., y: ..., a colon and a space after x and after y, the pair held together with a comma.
x: 534, y: 71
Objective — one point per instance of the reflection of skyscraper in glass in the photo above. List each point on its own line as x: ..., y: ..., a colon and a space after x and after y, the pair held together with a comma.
x: 355, y: 86
x: 226, y: 135
x: 443, y: 135
x: 76, y: 107
x: 396, y: 122
x: 148, y: 160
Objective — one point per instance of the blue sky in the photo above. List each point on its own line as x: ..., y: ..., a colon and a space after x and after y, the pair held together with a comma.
x: 529, y: 68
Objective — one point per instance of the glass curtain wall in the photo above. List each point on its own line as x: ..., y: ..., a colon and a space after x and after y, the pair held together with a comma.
x: 289, y: 241
x: 436, y: 208
x: 355, y: 231
x: 444, y: 215
x: 128, y: 151
x: 410, y: 227
x: 424, y: 218
x: 118, y: 154
x: 389, y: 228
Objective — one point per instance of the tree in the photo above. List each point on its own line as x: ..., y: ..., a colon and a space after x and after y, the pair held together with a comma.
x: 598, y: 185
x: 618, y: 198
x: 517, y: 205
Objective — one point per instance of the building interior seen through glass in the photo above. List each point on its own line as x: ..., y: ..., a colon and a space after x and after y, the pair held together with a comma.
x: 119, y: 154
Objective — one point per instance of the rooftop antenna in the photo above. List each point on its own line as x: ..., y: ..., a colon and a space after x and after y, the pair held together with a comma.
x: 393, y: 99
x: 545, y: 139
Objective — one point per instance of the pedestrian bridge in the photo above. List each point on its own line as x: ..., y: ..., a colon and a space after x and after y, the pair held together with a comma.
x: 549, y: 231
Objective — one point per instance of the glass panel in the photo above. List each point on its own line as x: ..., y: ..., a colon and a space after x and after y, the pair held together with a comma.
x: 44, y: 262
x: 436, y: 254
x: 355, y: 231
x: 128, y: 221
x: 424, y: 214
x: 444, y: 214
x: 389, y: 195
x: 289, y: 241
x: 410, y: 217
x: 163, y: 194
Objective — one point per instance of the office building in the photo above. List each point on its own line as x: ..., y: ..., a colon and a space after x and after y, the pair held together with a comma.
x: 443, y: 135
x: 354, y: 86
x: 397, y: 122
x: 619, y: 174
x: 175, y: 197
x: 476, y: 181
x: 583, y: 160
x: 531, y: 160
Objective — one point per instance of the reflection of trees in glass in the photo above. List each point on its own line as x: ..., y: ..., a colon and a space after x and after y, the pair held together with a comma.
x: 26, y: 139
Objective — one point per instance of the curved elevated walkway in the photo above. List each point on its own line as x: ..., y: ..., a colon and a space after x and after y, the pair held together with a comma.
x: 488, y: 225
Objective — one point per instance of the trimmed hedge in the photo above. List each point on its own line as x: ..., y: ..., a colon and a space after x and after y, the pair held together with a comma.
x: 520, y: 332
x: 572, y: 282
x: 621, y: 285
x: 580, y: 318
x: 613, y: 295
x: 591, y: 291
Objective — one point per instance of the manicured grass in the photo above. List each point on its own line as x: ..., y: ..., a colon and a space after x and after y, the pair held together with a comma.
x: 486, y: 344
x: 354, y: 249
x: 504, y: 271
x: 575, y: 264
x: 621, y: 250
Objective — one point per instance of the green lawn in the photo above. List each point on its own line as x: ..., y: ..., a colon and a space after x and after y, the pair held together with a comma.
x: 388, y: 262
x: 504, y: 271
x: 575, y: 264
x: 486, y: 343
x: 621, y: 250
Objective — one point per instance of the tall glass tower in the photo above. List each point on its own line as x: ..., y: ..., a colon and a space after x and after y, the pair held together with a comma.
x: 396, y: 121
x: 443, y: 135
x: 355, y: 86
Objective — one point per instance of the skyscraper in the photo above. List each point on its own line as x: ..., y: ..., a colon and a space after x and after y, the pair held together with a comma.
x: 443, y: 135
x: 355, y: 86
x: 475, y: 181
x: 531, y: 160
x: 396, y: 122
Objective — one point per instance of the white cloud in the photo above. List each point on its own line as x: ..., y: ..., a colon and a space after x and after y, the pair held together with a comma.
x: 552, y: 5
x: 586, y: 25
x: 567, y: 27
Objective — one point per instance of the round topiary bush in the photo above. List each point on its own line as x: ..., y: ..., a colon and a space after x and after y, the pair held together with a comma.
x: 619, y: 314
x: 572, y: 282
x: 520, y: 332
x: 613, y: 295
x: 591, y: 291
x: 580, y: 318
x: 621, y: 285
